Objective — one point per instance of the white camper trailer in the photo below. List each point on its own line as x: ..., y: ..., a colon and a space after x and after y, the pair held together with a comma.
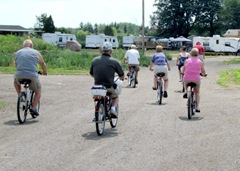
x: 219, y: 44
x: 127, y: 41
x: 58, y: 38
x: 95, y: 41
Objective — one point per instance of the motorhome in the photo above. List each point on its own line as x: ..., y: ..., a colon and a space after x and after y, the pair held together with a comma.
x: 219, y: 44
x: 58, y: 38
x: 150, y: 42
x: 95, y: 41
x: 127, y: 41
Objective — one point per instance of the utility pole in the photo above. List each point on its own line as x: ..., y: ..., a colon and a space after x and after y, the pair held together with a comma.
x: 143, y: 25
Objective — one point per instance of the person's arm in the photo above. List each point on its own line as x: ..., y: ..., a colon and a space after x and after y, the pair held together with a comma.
x: 168, y: 65
x: 177, y: 61
x: 42, y: 63
x: 126, y: 58
x: 151, y: 66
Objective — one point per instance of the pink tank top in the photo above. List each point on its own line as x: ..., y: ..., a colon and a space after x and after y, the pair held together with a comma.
x: 192, y: 69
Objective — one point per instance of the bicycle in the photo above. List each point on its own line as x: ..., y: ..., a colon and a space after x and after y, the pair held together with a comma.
x: 160, y: 82
x: 132, y: 77
x: 25, y: 101
x: 191, y: 104
x: 103, y: 104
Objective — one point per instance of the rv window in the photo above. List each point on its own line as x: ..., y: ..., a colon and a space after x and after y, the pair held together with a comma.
x: 60, y: 39
x: 105, y: 40
x: 227, y: 44
x: 217, y: 41
x: 205, y: 43
x: 114, y: 40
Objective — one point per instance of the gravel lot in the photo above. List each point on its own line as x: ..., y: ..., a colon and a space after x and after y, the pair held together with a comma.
x: 148, y: 137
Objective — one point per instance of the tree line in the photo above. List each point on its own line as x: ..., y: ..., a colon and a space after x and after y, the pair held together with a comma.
x: 172, y: 18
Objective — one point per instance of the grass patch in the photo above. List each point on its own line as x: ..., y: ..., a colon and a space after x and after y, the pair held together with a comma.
x: 2, y: 105
x: 232, y: 61
x: 230, y: 78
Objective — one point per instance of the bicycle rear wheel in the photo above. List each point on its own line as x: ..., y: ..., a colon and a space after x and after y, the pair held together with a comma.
x: 190, y: 107
x: 31, y: 102
x: 22, y: 108
x: 113, y: 121
x: 159, y: 92
x: 100, y: 116
x: 132, y: 79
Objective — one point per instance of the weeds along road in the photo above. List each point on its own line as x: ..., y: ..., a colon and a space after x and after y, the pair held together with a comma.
x: 148, y: 136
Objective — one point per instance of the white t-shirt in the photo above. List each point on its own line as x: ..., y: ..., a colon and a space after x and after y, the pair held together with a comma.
x: 133, y: 56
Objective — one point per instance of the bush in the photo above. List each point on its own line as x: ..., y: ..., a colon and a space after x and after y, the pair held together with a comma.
x: 58, y: 58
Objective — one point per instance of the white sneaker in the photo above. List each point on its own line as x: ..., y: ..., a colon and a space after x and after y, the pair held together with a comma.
x: 113, y: 112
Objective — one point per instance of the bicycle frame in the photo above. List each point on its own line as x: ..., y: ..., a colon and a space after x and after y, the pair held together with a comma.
x: 160, y: 86
x: 191, y: 99
x: 103, y: 104
x: 24, y: 102
x: 132, y: 77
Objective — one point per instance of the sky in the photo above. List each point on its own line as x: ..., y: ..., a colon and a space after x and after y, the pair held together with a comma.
x: 70, y: 13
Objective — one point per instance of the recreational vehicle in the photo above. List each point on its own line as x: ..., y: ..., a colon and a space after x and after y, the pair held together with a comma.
x: 219, y: 44
x: 95, y: 41
x: 58, y: 38
x: 150, y: 42
x: 127, y: 41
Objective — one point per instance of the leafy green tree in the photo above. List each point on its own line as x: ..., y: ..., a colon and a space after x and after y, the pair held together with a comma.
x: 45, y: 23
x: 48, y: 26
x: 207, y: 16
x: 108, y: 31
x: 95, y: 30
x: 178, y: 17
x: 230, y: 14
x: 88, y: 27
x: 81, y: 36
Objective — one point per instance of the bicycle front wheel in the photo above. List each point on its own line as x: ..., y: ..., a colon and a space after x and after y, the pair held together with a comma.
x: 190, y: 107
x: 159, y: 92
x: 31, y: 100
x: 100, y: 117
x: 22, y: 108
x: 113, y: 121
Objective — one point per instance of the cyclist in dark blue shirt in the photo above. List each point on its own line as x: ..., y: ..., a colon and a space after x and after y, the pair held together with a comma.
x: 183, y: 55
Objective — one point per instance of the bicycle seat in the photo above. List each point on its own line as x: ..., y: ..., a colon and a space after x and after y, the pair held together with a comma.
x: 160, y: 74
x: 25, y: 81
x: 191, y: 84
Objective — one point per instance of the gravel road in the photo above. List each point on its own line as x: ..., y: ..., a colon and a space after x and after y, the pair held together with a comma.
x: 148, y: 137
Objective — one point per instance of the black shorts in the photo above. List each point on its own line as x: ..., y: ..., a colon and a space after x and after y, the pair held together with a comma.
x: 180, y: 66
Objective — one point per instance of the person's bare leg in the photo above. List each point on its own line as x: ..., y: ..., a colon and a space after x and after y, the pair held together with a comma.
x: 166, y: 85
x: 17, y: 87
x: 155, y: 81
x: 36, y: 98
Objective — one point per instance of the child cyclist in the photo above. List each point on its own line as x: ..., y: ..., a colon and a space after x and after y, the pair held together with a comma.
x: 183, y: 55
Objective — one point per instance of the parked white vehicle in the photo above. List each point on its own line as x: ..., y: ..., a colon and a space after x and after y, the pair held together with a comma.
x: 95, y: 41
x: 127, y: 41
x: 219, y: 44
x: 58, y: 38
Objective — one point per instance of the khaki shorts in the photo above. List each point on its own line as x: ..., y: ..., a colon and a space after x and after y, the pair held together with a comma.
x: 35, y: 84
x: 161, y: 68
x: 200, y: 57
x: 135, y: 66
x: 113, y: 92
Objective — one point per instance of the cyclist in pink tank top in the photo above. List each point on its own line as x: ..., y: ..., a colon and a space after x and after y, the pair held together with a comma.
x: 192, y: 68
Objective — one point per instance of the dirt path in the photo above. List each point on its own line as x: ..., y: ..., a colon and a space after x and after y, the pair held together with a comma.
x: 148, y: 136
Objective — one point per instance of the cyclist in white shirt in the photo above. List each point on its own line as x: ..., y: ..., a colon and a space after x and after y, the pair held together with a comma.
x: 132, y: 59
